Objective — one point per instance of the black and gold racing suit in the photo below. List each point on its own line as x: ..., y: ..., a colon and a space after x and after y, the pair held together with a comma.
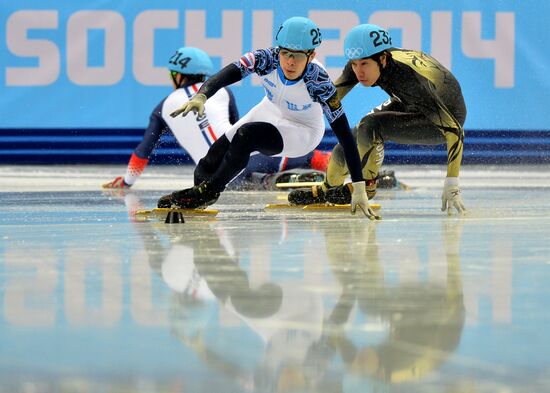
x: 426, y: 107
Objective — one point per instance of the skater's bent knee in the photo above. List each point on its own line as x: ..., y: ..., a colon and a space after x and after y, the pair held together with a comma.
x: 368, y: 130
x: 338, y: 155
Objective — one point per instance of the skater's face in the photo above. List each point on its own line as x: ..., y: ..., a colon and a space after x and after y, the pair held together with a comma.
x: 176, y: 79
x: 367, y: 71
x: 293, y: 63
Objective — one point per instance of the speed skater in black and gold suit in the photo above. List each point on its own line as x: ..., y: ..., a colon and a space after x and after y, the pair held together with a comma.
x: 426, y: 107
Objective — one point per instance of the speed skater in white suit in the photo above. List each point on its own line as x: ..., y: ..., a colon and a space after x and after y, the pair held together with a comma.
x: 189, y: 67
x: 287, y: 122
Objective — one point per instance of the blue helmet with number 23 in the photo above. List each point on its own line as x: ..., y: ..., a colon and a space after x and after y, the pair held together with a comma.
x: 298, y: 33
x: 191, y: 61
x: 366, y: 40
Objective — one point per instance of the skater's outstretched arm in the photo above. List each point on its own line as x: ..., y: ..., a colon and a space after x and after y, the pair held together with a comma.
x: 226, y: 76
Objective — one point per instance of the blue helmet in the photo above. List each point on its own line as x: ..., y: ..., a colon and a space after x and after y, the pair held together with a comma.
x: 298, y: 33
x: 191, y: 61
x: 366, y: 40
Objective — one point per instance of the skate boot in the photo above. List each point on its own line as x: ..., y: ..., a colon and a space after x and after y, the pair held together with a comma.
x: 297, y: 175
x: 308, y: 196
x: 386, y: 179
x: 196, y: 197
x: 304, y: 176
x: 118, y: 183
x: 341, y: 195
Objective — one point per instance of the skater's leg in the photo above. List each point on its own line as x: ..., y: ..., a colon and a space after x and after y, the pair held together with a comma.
x: 256, y: 136
x: 211, y: 162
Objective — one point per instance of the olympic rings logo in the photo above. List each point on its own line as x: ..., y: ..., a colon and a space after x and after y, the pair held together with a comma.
x: 288, y: 45
x: 353, y: 52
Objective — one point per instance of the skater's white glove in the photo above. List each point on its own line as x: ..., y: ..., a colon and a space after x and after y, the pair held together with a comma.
x: 359, y: 199
x: 451, y: 196
x: 195, y: 104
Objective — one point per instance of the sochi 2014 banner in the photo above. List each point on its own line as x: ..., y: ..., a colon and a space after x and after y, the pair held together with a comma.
x: 102, y: 64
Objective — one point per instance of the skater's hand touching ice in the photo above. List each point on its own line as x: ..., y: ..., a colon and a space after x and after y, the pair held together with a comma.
x: 451, y: 196
x: 359, y: 199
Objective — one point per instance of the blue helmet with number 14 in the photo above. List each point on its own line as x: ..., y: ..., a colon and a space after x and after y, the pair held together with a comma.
x: 191, y: 61
x: 298, y: 33
x: 366, y: 40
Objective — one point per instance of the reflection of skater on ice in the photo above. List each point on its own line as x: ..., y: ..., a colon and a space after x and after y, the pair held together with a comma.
x: 281, y: 320
x: 424, y: 321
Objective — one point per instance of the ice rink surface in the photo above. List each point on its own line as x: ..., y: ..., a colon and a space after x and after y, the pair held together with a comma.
x: 284, y: 301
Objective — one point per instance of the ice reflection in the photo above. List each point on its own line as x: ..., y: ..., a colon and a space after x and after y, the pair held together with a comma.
x: 351, y: 328
x: 280, y: 302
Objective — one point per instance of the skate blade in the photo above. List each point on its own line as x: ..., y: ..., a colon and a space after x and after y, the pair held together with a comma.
x: 330, y: 207
x: 161, y: 212
x: 403, y: 186
x: 316, y: 207
x: 298, y: 184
